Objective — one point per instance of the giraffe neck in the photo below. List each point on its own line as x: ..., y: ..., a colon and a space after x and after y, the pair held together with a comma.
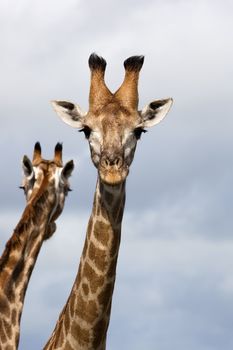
x: 17, y: 262
x: 84, y: 320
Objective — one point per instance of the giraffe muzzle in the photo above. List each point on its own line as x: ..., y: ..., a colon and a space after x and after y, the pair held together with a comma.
x: 112, y: 169
x: 111, y: 162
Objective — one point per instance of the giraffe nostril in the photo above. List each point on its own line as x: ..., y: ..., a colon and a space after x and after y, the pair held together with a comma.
x: 105, y: 162
x: 108, y: 162
x: 118, y: 162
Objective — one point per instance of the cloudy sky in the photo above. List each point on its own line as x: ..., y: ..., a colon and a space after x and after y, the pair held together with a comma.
x: 174, y: 287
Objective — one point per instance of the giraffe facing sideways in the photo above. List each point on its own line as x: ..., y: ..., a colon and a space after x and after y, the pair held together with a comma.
x: 45, y: 185
x: 112, y: 126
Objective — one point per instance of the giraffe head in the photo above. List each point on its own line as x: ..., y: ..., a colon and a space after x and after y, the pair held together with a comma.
x: 113, y: 123
x: 42, y: 175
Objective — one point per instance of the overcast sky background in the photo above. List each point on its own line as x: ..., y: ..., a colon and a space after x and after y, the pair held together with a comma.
x: 174, y: 287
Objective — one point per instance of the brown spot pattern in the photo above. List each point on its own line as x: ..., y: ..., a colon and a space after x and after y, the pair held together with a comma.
x: 14, y: 317
x: 4, y: 307
x: 96, y: 281
x: 80, y: 334
x: 85, y: 288
x: 7, y: 328
x: 105, y: 294
x: 102, y: 232
x: 112, y: 268
x: 115, y: 244
x: 67, y: 321
x: 98, y: 256
x: 99, y: 333
x: 68, y: 346
x: 2, y: 333
x: 85, y: 248
x: 72, y: 305
x: 87, y: 310
x: 60, y: 339
x: 9, y: 347
x: 90, y: 225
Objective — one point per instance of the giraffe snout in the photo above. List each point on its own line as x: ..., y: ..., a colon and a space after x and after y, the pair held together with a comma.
x: 111, y: 161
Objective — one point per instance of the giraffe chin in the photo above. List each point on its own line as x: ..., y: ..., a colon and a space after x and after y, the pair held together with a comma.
x: 113, y: 178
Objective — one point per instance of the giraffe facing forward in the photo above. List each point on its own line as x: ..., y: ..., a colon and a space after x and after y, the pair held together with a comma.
x: 113, y: 125
x: 45, y: 185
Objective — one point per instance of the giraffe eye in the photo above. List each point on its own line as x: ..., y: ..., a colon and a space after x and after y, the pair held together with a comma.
x: 138, y: 132
x: 22, y: 188
x: 86, y: 130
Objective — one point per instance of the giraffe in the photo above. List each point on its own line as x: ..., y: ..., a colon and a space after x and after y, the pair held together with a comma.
x: 112, y: 126
x: 45, y: 185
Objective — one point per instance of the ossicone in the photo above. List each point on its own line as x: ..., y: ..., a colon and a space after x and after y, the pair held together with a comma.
x: 37, y: 153
x: 58, y: 154
x: 97, y: 62
x: 134, y: 63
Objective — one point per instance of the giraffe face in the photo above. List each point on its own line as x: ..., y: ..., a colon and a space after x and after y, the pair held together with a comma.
x: 47, y: 175
x: 113, y: 124
x: 112, y: 138
x: 35, y: 175
x: 113, y: 134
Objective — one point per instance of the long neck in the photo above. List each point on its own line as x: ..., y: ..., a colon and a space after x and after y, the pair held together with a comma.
x: 16, y: 265
x: 84, y: 320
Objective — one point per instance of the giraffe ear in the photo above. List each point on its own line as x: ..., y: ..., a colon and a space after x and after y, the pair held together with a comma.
x: 70, y: 113
x: 154, y: 112
x: 27, y: 167
x: 67, y: 170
